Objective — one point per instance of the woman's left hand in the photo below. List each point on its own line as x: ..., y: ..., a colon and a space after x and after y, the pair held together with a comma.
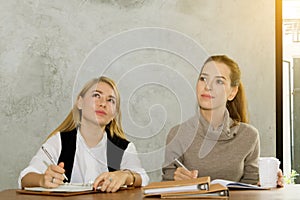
x: 111, y: 181
x: 280, y: 181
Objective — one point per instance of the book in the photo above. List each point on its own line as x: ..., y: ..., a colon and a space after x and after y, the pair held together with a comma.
x: 237, y: 185
x: 216, y: 191
x: 158, y: 188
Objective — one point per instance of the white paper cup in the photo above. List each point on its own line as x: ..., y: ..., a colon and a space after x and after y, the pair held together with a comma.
x: 268, y: 169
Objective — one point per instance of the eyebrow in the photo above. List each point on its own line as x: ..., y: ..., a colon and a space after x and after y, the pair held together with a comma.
x: 111, y: 96
x: 223, y: 77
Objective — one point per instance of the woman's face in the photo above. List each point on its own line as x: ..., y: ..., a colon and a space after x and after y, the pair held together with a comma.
x: 98, y: 105
x: 214, y: 86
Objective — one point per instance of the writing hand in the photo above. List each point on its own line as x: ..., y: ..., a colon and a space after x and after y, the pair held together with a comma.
x: 183, y: 174
x: 53, y: 176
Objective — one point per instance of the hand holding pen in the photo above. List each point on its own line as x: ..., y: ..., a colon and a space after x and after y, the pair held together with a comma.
x: 183, y: 173
x: 53, y: 170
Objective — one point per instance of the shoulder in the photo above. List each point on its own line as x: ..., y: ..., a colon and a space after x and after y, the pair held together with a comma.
x: 54, y: 138
x: 131, y: 148
x: 70, y: 133
x: 120, y: 142
x: 185, y: 128
x: 68, y: 137
x: 173, y: 130
x: 248, y: 130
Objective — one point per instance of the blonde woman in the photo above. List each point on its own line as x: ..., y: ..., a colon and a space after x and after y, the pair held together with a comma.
x: 89, y: 146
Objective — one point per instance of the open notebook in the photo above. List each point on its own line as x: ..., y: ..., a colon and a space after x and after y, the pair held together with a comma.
x: 237, y: 185
x: 66, y: 189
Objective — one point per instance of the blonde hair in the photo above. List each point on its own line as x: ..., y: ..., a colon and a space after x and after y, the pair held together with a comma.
x: 238, y: 106
x: 73, y: 119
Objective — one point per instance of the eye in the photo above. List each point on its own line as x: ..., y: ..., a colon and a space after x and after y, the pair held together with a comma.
x: 111, y: 101
x: 96, y: 94
x: 220, y: 81
x: 202, y: 78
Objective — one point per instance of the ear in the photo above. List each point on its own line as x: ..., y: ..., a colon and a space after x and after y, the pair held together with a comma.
x: 79, y: 103
x: 234, y: 91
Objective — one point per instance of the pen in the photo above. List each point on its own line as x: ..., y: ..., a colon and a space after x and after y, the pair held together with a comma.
x: 181, y: 164
x: 51, y: 159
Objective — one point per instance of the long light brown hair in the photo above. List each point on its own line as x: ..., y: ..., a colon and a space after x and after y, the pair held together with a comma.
x: 238, y: 106
x: 73, y: 119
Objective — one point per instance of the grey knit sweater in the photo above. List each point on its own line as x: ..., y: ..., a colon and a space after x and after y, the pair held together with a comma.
x: 227, y: 153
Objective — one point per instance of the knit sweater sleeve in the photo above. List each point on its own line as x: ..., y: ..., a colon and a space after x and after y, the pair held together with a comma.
x: 251, y: 175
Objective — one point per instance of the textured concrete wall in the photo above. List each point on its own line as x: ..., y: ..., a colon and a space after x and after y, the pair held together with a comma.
x: 49, y: 48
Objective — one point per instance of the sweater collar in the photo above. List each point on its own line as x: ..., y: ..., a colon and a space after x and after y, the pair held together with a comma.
x: 225, y: 132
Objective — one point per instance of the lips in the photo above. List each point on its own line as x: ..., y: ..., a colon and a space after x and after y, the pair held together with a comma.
x: 207, y: 96
x: 100, y: 112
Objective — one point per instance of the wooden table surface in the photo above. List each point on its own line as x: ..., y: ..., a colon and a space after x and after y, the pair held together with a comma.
x: 289, y: 192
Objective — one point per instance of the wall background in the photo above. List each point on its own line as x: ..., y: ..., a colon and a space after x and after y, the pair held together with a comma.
x: 45, y: 48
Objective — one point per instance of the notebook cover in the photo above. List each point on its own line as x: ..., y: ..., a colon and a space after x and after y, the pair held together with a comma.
x: 216, y: 191
x: 47, y: 193
x: 202, y: 181
x: 166, y: 184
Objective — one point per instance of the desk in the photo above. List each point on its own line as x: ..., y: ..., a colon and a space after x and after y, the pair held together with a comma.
x: 289, y: 192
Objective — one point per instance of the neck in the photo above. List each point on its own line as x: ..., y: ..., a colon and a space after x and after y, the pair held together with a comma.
x: 214, y: 116
x: 92, y: 133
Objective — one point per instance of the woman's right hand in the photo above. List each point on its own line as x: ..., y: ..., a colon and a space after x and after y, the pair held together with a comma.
x: 183, y: 174
x: 53, y: 176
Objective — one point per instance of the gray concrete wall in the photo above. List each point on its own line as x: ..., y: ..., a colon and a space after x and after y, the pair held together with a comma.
x: 49, y: 48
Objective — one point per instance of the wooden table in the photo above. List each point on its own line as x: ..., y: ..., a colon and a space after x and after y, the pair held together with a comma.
x: 289, y: 192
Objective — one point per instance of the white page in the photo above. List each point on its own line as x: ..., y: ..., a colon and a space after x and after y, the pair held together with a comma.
x: 63, y: 188
x: 232, y: 184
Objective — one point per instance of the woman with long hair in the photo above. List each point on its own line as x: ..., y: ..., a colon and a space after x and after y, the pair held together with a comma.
x: 89, y: 146
x: 218, y: 141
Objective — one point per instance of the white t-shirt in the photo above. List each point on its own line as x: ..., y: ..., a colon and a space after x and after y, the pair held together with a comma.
x: 89, y: 163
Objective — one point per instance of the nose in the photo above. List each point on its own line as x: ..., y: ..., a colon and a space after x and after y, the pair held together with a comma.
x: 102, y: 102
x: 208, y: 86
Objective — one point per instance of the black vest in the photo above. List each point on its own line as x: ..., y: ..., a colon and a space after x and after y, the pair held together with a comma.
x: 115, y: 150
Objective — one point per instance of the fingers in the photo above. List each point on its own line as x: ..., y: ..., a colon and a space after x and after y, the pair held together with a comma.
x: 280, y: 181
x: 58, y: 168
x: 62, y: 165
x: 110, y: 181
x: 53, y: 176
x: 112, y: 185
x: 182, y: 174
x: 195, y: 173
x: 57, y: 172
x: 99, y: 180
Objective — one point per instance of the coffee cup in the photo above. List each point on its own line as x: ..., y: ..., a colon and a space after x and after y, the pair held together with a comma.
x: 268, y: 169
